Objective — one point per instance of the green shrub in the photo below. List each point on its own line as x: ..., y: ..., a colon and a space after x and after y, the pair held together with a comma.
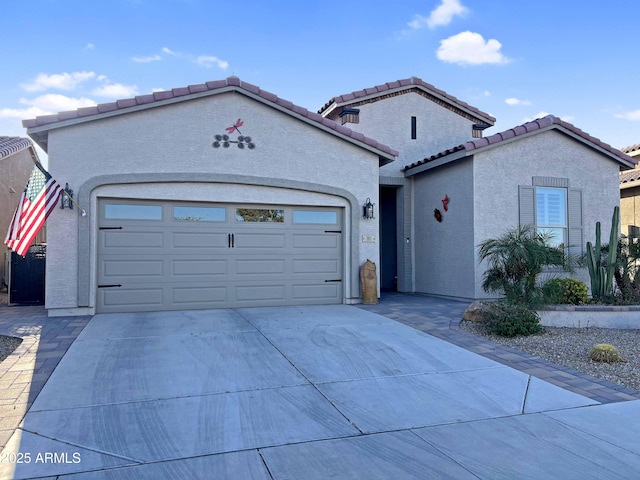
x: 510, y: 319
x: 565, y: 291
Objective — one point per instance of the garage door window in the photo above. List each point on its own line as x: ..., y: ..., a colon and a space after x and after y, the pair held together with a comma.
x: 121, y: 211
x: 200, y: 214
x: 315, y: 217
x: 259, y: 215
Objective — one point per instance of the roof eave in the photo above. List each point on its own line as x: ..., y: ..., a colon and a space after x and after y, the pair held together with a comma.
x: 430, y: 165
x: 479, y: 116
x: 40, y: 133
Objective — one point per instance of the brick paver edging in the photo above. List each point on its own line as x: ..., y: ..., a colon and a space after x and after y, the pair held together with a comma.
x: 23, y: 373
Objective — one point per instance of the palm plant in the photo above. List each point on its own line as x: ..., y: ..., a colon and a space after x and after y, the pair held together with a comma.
x: 515, y: 260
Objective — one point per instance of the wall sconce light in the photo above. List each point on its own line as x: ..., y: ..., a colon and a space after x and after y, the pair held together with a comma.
x: 367, y: 209
x: 66, y: 198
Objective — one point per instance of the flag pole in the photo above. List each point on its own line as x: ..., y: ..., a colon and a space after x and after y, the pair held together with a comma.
x: 83, y: 213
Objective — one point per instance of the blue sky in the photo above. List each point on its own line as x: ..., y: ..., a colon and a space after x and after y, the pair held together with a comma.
x: 515, y: 60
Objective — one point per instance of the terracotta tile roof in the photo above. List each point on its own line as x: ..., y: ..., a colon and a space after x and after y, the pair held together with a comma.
x: 11, y: 145
x: 540, y: 124
x: 185, y: 93
x: 406, y: 84
x: 630, y: 176
x: 631, y: 149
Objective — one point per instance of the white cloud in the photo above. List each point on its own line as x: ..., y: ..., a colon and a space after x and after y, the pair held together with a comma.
x: 516, y: 101
x: 90, y: 46
x: 22, y: 113
x: 116, y: 90
x: 168, y: 52
x: 152, y: 58
x: 470, y: 48
x: 209, y: 61
x: 442, y: 15
x: 60, y: 81
x: 54, y: 102
x: 633, y: 115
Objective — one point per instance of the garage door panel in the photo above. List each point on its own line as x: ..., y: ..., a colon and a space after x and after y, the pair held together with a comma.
x: 199, y: 267
x: 193, y: 240
x: 120, y: 239
x: 260, y: 266
x: 320, y: 266
x: 328, y: 241
x: 259, y: 240
x: 132, y: 268
x: 130, y: 297
x: 260, y: 292
x: 201, y: 295
x: 326, y: 291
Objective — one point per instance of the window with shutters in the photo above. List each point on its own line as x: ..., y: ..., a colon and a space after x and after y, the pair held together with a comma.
x: 551, y: 214
x: 551, y: 206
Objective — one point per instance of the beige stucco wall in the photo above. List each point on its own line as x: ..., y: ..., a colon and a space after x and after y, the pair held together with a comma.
x: 389, y: 122
x: 498, y: 172
x: 174, y: 142
x: 629, y: 208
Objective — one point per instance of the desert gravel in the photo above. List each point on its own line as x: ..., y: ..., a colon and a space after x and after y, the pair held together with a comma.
x: 8, y: 345
x: 570, y: 347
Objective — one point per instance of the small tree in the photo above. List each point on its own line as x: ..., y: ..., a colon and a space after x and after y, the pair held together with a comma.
x: 515, y: 261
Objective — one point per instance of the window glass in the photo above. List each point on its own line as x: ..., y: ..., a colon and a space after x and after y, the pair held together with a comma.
x: 200, y: 214
x: 259, y: 215
x: 556, y: 235
x: 314, y: 216
x: 122, y: 211
x: 551, y: 206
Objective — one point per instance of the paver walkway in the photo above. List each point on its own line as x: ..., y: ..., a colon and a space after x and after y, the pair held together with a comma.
x: 441, y: 318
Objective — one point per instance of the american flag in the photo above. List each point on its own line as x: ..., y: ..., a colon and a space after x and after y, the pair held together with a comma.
x: 37, y: 202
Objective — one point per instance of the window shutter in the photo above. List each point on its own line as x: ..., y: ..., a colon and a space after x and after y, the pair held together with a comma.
x: 527, y: 197
x: 574, y: 207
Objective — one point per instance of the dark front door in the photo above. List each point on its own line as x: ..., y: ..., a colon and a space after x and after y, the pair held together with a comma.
x: 388, y: 239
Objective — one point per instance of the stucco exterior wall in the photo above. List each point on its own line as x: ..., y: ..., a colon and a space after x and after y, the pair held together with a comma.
x: 444, y: 252
x: 167, y: 151
x: 498, y: 172
x: 389, y: 122
x: 14, y: 174
x: 629, y: 208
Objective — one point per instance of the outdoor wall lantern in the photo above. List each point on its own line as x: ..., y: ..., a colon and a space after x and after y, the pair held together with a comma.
x: 367, y: 209
x: 66, y: 198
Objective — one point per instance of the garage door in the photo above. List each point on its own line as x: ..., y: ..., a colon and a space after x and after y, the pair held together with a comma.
x: 179, y: 256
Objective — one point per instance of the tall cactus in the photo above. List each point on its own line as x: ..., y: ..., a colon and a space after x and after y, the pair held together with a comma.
x: 601, y: 273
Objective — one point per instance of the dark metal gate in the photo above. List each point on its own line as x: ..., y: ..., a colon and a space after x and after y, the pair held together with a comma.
x: 26, y: 278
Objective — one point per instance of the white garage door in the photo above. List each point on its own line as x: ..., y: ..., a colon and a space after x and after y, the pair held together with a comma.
x: 180, y: 256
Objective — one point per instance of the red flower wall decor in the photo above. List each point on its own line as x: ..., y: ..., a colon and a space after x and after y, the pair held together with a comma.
x: 445, y: 203
x: 438, y: 215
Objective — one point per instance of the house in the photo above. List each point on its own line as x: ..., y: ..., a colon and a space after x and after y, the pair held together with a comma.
x: 215, y: 195
x: 546, y: 172
x: 225, y: 195
x: 17, y: 157
x: 630, y: 196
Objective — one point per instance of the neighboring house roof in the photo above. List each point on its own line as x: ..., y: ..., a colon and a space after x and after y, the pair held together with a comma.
x: 12, y: 145
x: 547, y: 123
x: 635, y: 149
x: 39, y: 127
x: 413, y: 84
x: 629, y: 177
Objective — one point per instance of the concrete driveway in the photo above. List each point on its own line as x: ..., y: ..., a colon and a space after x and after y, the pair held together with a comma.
x: 305, y: 392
